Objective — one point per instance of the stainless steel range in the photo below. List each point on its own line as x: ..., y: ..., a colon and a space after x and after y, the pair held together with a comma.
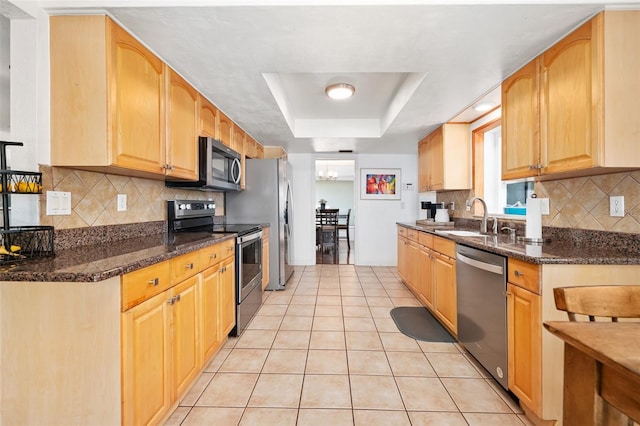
x: 187, y: 219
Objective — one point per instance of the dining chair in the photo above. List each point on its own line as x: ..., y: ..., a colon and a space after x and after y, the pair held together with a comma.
x: 327, y: 229
x: 345, y: 226
x: 606, y: 301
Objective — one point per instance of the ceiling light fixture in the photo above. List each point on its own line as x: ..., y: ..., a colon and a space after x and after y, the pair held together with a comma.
x: 340, y: 91
x: 483, y: 106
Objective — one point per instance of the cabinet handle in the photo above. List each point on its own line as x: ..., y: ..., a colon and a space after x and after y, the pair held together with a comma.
x: 154, y: 282
x: 177, y: 298
x: 508, y: 293
x: 214, y: 255
x: 189, y: 265
x: 229, y: 248
x: 171, y: 301
x: 518, y: 273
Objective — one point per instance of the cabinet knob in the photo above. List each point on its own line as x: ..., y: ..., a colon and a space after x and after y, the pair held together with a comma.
x: 189, y: 265
x: 214, y: 255
x: 154, y: 282
x: 518, y: 273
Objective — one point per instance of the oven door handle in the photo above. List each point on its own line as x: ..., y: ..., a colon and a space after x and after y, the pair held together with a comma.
x: 250, y: 237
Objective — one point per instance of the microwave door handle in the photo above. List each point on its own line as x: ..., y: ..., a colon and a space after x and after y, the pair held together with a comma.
x: 236, y: 171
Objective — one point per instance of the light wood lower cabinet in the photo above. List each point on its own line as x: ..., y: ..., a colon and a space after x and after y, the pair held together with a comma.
x: 146, y: 393
x: 169, y: 338
x: 265, y: 258
x: 428, y: 268
x: 228, y: 295
x: 524, y: 343
x: 445, y: 304
x: 186, y: 357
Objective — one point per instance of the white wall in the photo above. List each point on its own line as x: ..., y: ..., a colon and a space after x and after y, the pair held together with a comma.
x: 375, y: 226
x: 25, y: 114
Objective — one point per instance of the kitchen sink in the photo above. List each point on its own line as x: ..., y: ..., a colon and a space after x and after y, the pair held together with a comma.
x: 462, y: 233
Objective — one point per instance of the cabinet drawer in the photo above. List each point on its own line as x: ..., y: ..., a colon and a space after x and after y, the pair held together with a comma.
x: 227, y: 248
x: 412, y: 234
x: 402, y: 231
x: 444, y: 246
x: 425, y: 239
x: 182, y: 267
x: 141, y: 285
x: 209, y: 256
x: 524, y: 274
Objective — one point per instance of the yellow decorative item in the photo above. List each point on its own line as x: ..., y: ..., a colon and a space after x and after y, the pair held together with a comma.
x: 14, y: 249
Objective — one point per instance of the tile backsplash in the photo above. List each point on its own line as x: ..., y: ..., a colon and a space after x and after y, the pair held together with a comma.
x: 579, y: 203
x: 93, y: 198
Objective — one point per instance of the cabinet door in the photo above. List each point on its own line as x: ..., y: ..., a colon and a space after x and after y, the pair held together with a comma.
x: 138, y: 124
x: 208, y: 119
x: 524, y: 342
x: 413, y: 259
x: 226, y: 129
x: 182, y: 128
x: 520, y: 123
x: 425, y: 277
x: 570, y: 95
x: 227, y: 296
x: 446, y: 302
x: 210, y: 309
x: 435, y: 153
x: 186, y: 348
x: 402, y: 258
x: 265, y: 263
x: 423, y: 166
x: 146, y: 355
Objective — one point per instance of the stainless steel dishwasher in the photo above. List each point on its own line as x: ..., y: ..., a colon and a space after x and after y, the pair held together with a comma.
x: 482, y: 308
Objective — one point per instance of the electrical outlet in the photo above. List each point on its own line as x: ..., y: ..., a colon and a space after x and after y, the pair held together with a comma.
x: 122, y: 202
x: 616, y: 206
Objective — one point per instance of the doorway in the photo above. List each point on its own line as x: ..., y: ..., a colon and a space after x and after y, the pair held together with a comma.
x: 334, y: 188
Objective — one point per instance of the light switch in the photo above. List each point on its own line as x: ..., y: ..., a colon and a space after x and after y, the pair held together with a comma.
x: 58, y: 203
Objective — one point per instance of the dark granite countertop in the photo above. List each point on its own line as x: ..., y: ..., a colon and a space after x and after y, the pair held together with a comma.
x: 562, y: 248
x: 97, y: 262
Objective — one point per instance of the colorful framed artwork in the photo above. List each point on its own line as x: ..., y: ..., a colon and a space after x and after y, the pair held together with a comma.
x: 380, y: 184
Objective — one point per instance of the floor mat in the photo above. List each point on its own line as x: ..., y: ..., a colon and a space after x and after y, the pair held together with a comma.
x: 418, y: 323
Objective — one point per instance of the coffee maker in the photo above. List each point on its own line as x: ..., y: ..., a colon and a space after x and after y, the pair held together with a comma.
x: 431, y: 208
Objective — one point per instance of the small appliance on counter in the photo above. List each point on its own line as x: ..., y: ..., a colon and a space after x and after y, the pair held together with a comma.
x: 187, y: 219
x: 430, y: 209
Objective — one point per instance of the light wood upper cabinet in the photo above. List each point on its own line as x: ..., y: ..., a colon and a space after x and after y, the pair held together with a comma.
x: 225, y: 129
x: 208, y: 119
x: 586, y: 102
x: 107, y: 98
x: 521, y: 123
x: 183, y: 112
x: 444, y: 159
x: 570, y: 95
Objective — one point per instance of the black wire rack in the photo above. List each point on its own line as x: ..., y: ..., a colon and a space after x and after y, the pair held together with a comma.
x: 20, y: 242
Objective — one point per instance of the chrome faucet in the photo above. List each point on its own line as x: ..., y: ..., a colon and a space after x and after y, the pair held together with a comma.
x: 483, y: 225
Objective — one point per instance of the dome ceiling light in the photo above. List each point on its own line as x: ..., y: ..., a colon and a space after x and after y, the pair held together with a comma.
x: 340, y: 91
x: 484, y: 106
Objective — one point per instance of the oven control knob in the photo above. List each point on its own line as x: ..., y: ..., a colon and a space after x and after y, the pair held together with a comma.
x: 211, y: 206
x: 188, y: 206
x: 182, y: 206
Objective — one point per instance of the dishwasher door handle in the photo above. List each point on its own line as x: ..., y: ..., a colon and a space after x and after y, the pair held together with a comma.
x: 495, y: 269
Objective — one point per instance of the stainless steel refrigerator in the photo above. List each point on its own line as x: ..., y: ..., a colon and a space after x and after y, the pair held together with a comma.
x: 267, y: 199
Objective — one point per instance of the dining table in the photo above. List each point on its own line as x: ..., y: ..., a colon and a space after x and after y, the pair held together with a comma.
x: 601, y: 371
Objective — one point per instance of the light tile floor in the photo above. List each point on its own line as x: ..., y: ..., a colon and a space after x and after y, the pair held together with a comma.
x: 325, y: 351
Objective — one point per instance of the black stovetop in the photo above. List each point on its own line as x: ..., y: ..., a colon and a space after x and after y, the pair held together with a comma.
x: 237, y: 228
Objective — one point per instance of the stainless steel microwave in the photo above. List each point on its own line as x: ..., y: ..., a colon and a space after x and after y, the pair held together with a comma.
x: 219, y: 168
